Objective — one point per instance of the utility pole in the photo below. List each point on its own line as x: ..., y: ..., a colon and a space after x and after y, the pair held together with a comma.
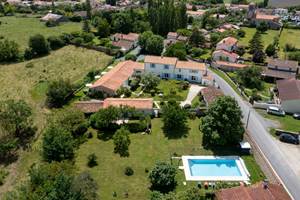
x: 248, y: 118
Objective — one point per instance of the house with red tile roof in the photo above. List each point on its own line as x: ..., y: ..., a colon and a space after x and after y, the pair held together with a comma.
x: 222, y: 55
x: 289, y: 94
x: 228, y: 66
x: 227, y: 44
x: 117, y: 77
x: 210, y: 93
x: 126, y: 42
x: 259, y: 191
x: 144, y: 105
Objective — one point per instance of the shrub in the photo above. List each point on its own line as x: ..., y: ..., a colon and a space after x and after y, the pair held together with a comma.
x: 152, y: 92
x: 128, y: 171
x: 3, y: 174
x: 55, y: 42
x: 89, y: 135
x: 39, y: 45
x: 130, y: 57
x: 136, y: 127
x: 51, y: 23
x: 184, y: 85
x: 78, y: 41
x: 87, y: 37
x: 29, y: 65
x: 92, y: 160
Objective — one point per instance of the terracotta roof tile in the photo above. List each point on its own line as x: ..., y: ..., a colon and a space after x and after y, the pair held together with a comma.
x: 137, y: 103
x: 230, y: 54
x: 266, y: 17
x: 210, y: 94
x: 89, y: 106
x: 229, y: 64
x: 161, y: 60
x: 288, y: 89
x: 191, y: 65
x: 229, y: 41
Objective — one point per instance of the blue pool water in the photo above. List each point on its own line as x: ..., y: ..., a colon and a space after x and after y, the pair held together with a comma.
x: 213, y: 167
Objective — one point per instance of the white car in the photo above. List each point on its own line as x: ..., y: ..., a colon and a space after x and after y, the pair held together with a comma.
x: 275, y: 111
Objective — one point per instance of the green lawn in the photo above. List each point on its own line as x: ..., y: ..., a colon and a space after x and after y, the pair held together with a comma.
x: 256, y: 1
x: 290, y: 36
x: 166, y: 87
x: 145, y: 151
x: 286, y: 123
x: 267, y: 38
x: 20, y: 29
x: 30, y: 84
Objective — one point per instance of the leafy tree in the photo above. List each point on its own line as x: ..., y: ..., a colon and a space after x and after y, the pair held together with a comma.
x: 130, y: 57
x: 174, y: 119
x: 111, y: 2
x: 143, y: 38
x: 58, y: 144
x: 9, y: 51
x: 197, y: 38
x: 87, y: 186
x: 155, y: 45
x: 191, y: 194
x: 122, y: 23
x: 270, y: 50
x: 258, y: 56
x: 16, y: 119
x: 92, y: 160
x: 8, y: 145
x: 262, y: 27
x: 250, y: 77
x: 104, y: 118
x: 124, y: 91
x: 255, y: 44
x: 162, y: 177
x: 58, y: 93
x: 150, y: 81
x: 38, y: 45
x: 177, y: 50
x: 122, y: 142
x: 55, y: 42
x: 241, y: 33
x: 103, y: 28
x: 222, y: 125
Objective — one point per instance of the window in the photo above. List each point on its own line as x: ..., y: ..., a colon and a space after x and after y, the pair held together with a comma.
x: 179, y: 70
x: 152, y: 65
x: 166, y: 66
x: 179, y: 76
x: 166, y: 75
x: 193, y: 71
x: 193, y: 78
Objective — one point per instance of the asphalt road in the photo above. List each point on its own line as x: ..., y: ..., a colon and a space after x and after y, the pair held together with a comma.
x: 270, y: 148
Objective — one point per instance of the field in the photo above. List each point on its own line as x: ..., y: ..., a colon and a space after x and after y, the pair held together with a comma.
x: 256, y: 1
x: 145, y: 151
x: 290, y: 36
x: 20, y: 29
x: 28, y: 81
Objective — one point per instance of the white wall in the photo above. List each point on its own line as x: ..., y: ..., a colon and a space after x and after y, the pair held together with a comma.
x: 219, y: 56
x: 187, y: 74
x: 160, y: 70
x: 291, y: 106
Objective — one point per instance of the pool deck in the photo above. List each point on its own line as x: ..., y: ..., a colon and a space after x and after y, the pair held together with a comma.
x: 239, y: 162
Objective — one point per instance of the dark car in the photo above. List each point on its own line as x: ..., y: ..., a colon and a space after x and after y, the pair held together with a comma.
x: 296, y: 115
x: 288, y: 138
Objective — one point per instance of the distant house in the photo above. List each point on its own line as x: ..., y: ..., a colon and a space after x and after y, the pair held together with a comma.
x: 228, y: 44
x: 229, y: 27
x: 289, y: 95
x: 174, y: 37
x: 82, y: 14
x: 53, y: 17
x: 117, y: 77
x: 281, y: 69
x: 144, y: 105
x: 228, y: 66
x: 195, y: 14
x: 125, y: 41
x: 222, y: 55
x: 171, y: 68
x: 254, y: 192
x: 271, y: 20
x: 210, y: 93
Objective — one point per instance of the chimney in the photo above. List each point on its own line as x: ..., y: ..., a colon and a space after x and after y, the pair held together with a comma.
x: 265, y: 184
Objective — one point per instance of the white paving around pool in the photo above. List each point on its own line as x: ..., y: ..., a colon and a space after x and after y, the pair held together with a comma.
x: 215, y: 168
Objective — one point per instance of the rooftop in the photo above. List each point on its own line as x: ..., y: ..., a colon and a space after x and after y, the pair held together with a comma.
x: 229, y: 64
x: 210, y: 94
x: 229, y: 41
x: 91, y: 106
x: 226, y: 53
x: 130, y: 36
x: 278, y: 74
x: 266, y: 17
x: 138, y: 103
x: 288, y: 89
x: 161, y: 60
x: 191, y: 65
x: 283, y: 63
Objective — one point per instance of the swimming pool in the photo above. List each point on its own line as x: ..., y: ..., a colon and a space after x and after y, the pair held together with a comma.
x: 215, y: 168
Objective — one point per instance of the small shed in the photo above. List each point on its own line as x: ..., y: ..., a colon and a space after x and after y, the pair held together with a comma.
x: 245, y: 147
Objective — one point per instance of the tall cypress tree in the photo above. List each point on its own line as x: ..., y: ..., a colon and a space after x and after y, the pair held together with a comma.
x: 88, y: 9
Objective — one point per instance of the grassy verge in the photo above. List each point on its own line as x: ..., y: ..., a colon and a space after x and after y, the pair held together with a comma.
x: 145, y: 151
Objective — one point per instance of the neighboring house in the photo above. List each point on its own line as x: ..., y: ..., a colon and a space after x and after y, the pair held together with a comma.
x: 228, y: 66
x: 222, y: 55
x: 280, y: 11
x: 82, y: 14
x: 229, y: 27
x: 117, y: 77
x: 271, y: 20
x: 171, y: 68
x: 125, y: 41
x: 281, y: 69
x: 144, y: 105
x: 210, y: 93
x: 289, y: 95
x: 174, y: 37
x: 263, y: 191
x: 228, y: 44
x: 53, y: 17
x: 237, y: 7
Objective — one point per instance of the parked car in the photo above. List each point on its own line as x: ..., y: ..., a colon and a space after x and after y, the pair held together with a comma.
x: 296, y: 115
x: 288, y: 138
x: 275, y: 111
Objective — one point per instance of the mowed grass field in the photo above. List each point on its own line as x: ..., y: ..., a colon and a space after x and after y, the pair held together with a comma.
x: 20, y: 29
x: 30, y: 84
x: 291, y: 36
x: 145, y: 151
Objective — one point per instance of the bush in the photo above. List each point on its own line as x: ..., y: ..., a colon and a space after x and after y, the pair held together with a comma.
x: 87, y: 37
x: 152, y: 92
x: 128, y: 171
x: 28, y: 54
x: 136, y: 127
x: 9, y: 51
x: 39, y: 45
x: 130, y: 57
x: 92, y: 160
x: 55, y: 42
x: 3, y: 174
x: 78, y: 41
x: 51, y: 23
x: 58, y: 93
x: 89, y: 135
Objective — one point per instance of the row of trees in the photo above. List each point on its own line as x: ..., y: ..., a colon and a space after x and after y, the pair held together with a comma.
x: 166, y: 16
x: 151, y: 43
x: 256, y: 48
